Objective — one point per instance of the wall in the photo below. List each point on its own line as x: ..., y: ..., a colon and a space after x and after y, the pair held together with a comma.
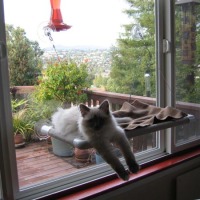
x: 181, y: 182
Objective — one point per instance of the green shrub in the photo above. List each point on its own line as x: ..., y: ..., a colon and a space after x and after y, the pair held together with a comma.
x: 64, y: 82
x: 22, y: 123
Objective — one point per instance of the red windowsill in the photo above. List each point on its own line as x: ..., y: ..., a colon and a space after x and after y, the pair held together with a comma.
x: 102, y: 186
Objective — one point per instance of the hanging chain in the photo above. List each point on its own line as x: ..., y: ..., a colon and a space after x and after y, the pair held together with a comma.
x: 47, y: 33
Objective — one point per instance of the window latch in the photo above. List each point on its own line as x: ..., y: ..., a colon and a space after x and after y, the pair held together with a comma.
x: 2, y: 50
x: 166, y: 46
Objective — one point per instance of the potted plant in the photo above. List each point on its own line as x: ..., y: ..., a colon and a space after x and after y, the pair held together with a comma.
x: 83, y: 155
x: 22, y: 127
x: 63, y: 81
x: 22, y: 124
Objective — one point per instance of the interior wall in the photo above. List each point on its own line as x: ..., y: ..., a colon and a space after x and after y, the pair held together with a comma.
x: 170, y: 184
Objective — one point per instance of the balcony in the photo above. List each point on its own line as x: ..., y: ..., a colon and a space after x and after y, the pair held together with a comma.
x: 36, y: 163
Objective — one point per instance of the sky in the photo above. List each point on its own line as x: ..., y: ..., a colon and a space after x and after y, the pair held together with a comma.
x: 94, y: 22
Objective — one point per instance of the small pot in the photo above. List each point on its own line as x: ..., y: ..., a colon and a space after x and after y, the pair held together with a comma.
x: 82, y: 155
x: 19, y: 140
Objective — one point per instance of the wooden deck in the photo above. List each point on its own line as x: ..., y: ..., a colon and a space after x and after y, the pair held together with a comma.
x: 36, y: 163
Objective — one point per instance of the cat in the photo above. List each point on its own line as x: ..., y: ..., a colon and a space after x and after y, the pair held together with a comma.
x: 100, y: 128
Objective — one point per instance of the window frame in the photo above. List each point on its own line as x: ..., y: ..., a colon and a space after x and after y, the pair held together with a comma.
x: 167, y: 69
x: 190, y: 142
x: 165, y: 96
x: 8, y: 166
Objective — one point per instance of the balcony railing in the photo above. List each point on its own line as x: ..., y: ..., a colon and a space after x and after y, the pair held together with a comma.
x: 116, y: 100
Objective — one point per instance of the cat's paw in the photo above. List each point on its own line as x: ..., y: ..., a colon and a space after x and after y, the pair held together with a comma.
x: 124, y: 176
x: 134, y: 168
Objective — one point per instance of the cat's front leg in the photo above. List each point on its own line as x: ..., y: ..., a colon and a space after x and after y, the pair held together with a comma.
x: 123, y: 143
x: 105, y: 150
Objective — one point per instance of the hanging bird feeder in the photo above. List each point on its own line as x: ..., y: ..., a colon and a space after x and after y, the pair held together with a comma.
x: 56, y: 22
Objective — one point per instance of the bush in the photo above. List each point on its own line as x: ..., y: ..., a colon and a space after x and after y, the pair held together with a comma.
x: 63, y: 81
x: 22, y: 123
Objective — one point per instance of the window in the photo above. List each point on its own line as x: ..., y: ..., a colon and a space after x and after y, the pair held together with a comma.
x: 187, y: 69
x: 151, y: 74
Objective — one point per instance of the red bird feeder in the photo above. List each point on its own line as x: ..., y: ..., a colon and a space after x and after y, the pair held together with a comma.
x: 56, y: 21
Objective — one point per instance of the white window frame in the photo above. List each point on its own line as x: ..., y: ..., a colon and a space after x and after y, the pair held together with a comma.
x: 170, y: 75
x: 165, y: 90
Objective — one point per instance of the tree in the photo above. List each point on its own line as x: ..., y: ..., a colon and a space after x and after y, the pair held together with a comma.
x: 187, y: 26
x: 135, y: 53
x: 23, y: 57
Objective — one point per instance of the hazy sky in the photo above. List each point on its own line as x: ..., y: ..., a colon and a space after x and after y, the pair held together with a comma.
x: 94, y: 22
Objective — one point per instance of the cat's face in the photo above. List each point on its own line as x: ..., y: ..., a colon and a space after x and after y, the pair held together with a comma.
x: 95, y: 118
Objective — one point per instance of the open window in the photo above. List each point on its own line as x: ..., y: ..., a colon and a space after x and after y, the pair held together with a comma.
x: 138, y: 62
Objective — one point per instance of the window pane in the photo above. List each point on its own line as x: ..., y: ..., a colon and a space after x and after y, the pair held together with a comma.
x: 187, y: 67
x: 118, y: 50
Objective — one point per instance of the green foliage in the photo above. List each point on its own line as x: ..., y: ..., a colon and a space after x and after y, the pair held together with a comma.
x: 187, y: 74
x: 17, y: 104
x: 39, y: 110
x: 135, y: 52
x: 23, y: 57
x: 27, y: 112
x: 64, y: 82
x: 22, y: 123
x: 100, y: 81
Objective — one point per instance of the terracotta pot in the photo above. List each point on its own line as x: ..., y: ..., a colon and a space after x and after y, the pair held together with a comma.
x: 49, y: 140
x: 19, y: 140
x: 82, y: 155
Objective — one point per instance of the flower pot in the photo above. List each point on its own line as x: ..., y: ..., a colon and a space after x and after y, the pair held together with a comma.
x: 19, y: 140
x: 61, y: 148
x: 83, y: 155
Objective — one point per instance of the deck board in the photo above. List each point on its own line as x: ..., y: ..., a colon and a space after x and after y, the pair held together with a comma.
x: 36, y: 164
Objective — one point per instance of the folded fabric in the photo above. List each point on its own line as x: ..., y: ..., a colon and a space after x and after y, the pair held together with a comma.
x: 143, y: 114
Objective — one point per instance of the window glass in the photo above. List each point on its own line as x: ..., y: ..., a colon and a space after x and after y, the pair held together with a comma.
x: 109, y: 48
x: 187, y: 21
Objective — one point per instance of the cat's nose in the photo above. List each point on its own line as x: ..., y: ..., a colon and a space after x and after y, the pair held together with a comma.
x: 97, y: 126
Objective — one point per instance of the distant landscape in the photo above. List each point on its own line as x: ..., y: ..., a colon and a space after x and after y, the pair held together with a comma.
x: 97, y: 59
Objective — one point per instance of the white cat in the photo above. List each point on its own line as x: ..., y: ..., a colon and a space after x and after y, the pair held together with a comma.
x: 65, y: 122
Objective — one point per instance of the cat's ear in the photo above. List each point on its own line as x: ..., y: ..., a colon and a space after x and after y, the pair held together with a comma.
x: 84, y: 110
x: 104, y: 106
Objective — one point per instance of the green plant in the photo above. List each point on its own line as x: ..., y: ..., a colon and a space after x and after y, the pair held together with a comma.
x: 64, y: 82
x: 17, y: 104
x: 21, y: 125
x: 22, y: 122
x: 24, y: 57
x: 27, y: 112
x: 41, y: 109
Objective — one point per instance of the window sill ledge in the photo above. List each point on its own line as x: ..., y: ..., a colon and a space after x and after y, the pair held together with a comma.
x: 112, y: 183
